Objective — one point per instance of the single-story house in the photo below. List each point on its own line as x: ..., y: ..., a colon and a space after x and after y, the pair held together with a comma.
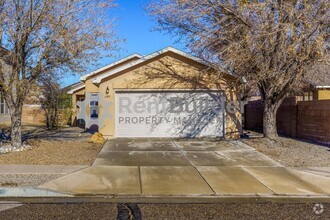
x: 318, y: 84
x: 168, y: 93
x: 314, y: 90
x: 320, y: 90
x: 32, y: 112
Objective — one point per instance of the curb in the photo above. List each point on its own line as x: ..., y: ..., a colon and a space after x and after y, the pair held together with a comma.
x: 37, y: 195
x: 29, y: 192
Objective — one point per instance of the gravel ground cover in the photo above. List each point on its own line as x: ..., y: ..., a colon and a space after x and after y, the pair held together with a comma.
x: 26, y: 180
x: 291, y: 152
x: 57, y: 152
x: 66, y: 146
x: 169, y: 211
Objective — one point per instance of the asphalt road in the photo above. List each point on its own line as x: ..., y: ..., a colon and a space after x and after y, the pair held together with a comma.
x: 165, y: 211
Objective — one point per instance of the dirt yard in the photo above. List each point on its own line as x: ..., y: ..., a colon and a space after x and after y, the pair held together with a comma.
x: 68, y: 146
x: 292, y: 153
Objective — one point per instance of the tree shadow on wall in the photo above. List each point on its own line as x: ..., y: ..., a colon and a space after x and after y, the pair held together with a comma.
x: 209, y: 86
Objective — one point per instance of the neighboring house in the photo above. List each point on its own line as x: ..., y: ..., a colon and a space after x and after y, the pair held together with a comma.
x: 4, y: 112
x: 315, y: 91
x: 32, y: 112
x: 4, y: 64
x: 321, y: 89
x: 155, y: 96
x: 318, y: 88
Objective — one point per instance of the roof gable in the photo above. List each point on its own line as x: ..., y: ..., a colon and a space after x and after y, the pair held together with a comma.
x: 75, y: 87
x: 99, y: 78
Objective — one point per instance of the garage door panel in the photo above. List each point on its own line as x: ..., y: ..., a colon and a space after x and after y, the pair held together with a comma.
x: 168, y: 114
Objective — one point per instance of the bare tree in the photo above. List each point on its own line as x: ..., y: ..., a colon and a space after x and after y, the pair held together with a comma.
x: 59, y: 35
x: 270, y: 44
x: 50, y: 98
x: 2, y: 4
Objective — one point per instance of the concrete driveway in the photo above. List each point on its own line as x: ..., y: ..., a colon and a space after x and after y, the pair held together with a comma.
x: 165, y: 167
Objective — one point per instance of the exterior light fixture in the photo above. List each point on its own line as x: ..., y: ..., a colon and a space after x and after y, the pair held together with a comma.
x: 107, y: 90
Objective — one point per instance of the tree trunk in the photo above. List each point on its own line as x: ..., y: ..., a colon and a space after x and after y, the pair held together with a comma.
x: 16, y: 127
x: 269, y: 121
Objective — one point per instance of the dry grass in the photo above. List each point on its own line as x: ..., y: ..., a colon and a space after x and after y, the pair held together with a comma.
x: 292, y: 153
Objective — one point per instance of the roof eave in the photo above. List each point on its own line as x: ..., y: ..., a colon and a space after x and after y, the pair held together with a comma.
x: 322, y: 87
x: 84, y: 78
x: 70, y: 92
x: 97, y: 80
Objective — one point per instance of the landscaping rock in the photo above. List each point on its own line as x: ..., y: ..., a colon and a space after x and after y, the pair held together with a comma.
x: 97, y: 138
x: 50, y: 152
x: 7, y: 148
x: 292, y: 152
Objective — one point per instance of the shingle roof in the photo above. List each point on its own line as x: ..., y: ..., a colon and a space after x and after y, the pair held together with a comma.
x: 4, y: 55
x: 323, y: 76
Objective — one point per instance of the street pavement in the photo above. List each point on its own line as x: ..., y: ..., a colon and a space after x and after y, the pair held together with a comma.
x: 123, y: 211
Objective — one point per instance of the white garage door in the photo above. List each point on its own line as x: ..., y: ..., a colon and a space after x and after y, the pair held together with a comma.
x: 169, y: 114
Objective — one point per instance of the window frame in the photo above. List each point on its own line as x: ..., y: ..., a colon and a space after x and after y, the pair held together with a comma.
x: 3, y: 106
x: 94, y: 105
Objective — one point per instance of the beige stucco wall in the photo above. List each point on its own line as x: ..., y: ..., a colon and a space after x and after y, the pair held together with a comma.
x: 92, y: 88
x: 165, y: 72
x: 323, y: 94
x: 74, y: 100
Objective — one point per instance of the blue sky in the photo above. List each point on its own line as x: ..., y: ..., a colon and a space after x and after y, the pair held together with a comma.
x: 135, y: 26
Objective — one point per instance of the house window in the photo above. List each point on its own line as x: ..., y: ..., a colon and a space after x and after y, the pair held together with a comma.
x: 308, y: 96
x: 94, y: 106
x: 3, y: 107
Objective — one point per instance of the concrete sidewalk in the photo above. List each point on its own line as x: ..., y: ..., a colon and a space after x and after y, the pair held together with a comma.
x: 163, y: 168
x: 210, y: 180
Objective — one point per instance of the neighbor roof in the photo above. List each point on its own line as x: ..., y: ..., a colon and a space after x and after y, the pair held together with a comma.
x: 75, y: 87
x: 99, y: 78
x: 4, y: 55
x: 323, y: 82
x: 83, y: 78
